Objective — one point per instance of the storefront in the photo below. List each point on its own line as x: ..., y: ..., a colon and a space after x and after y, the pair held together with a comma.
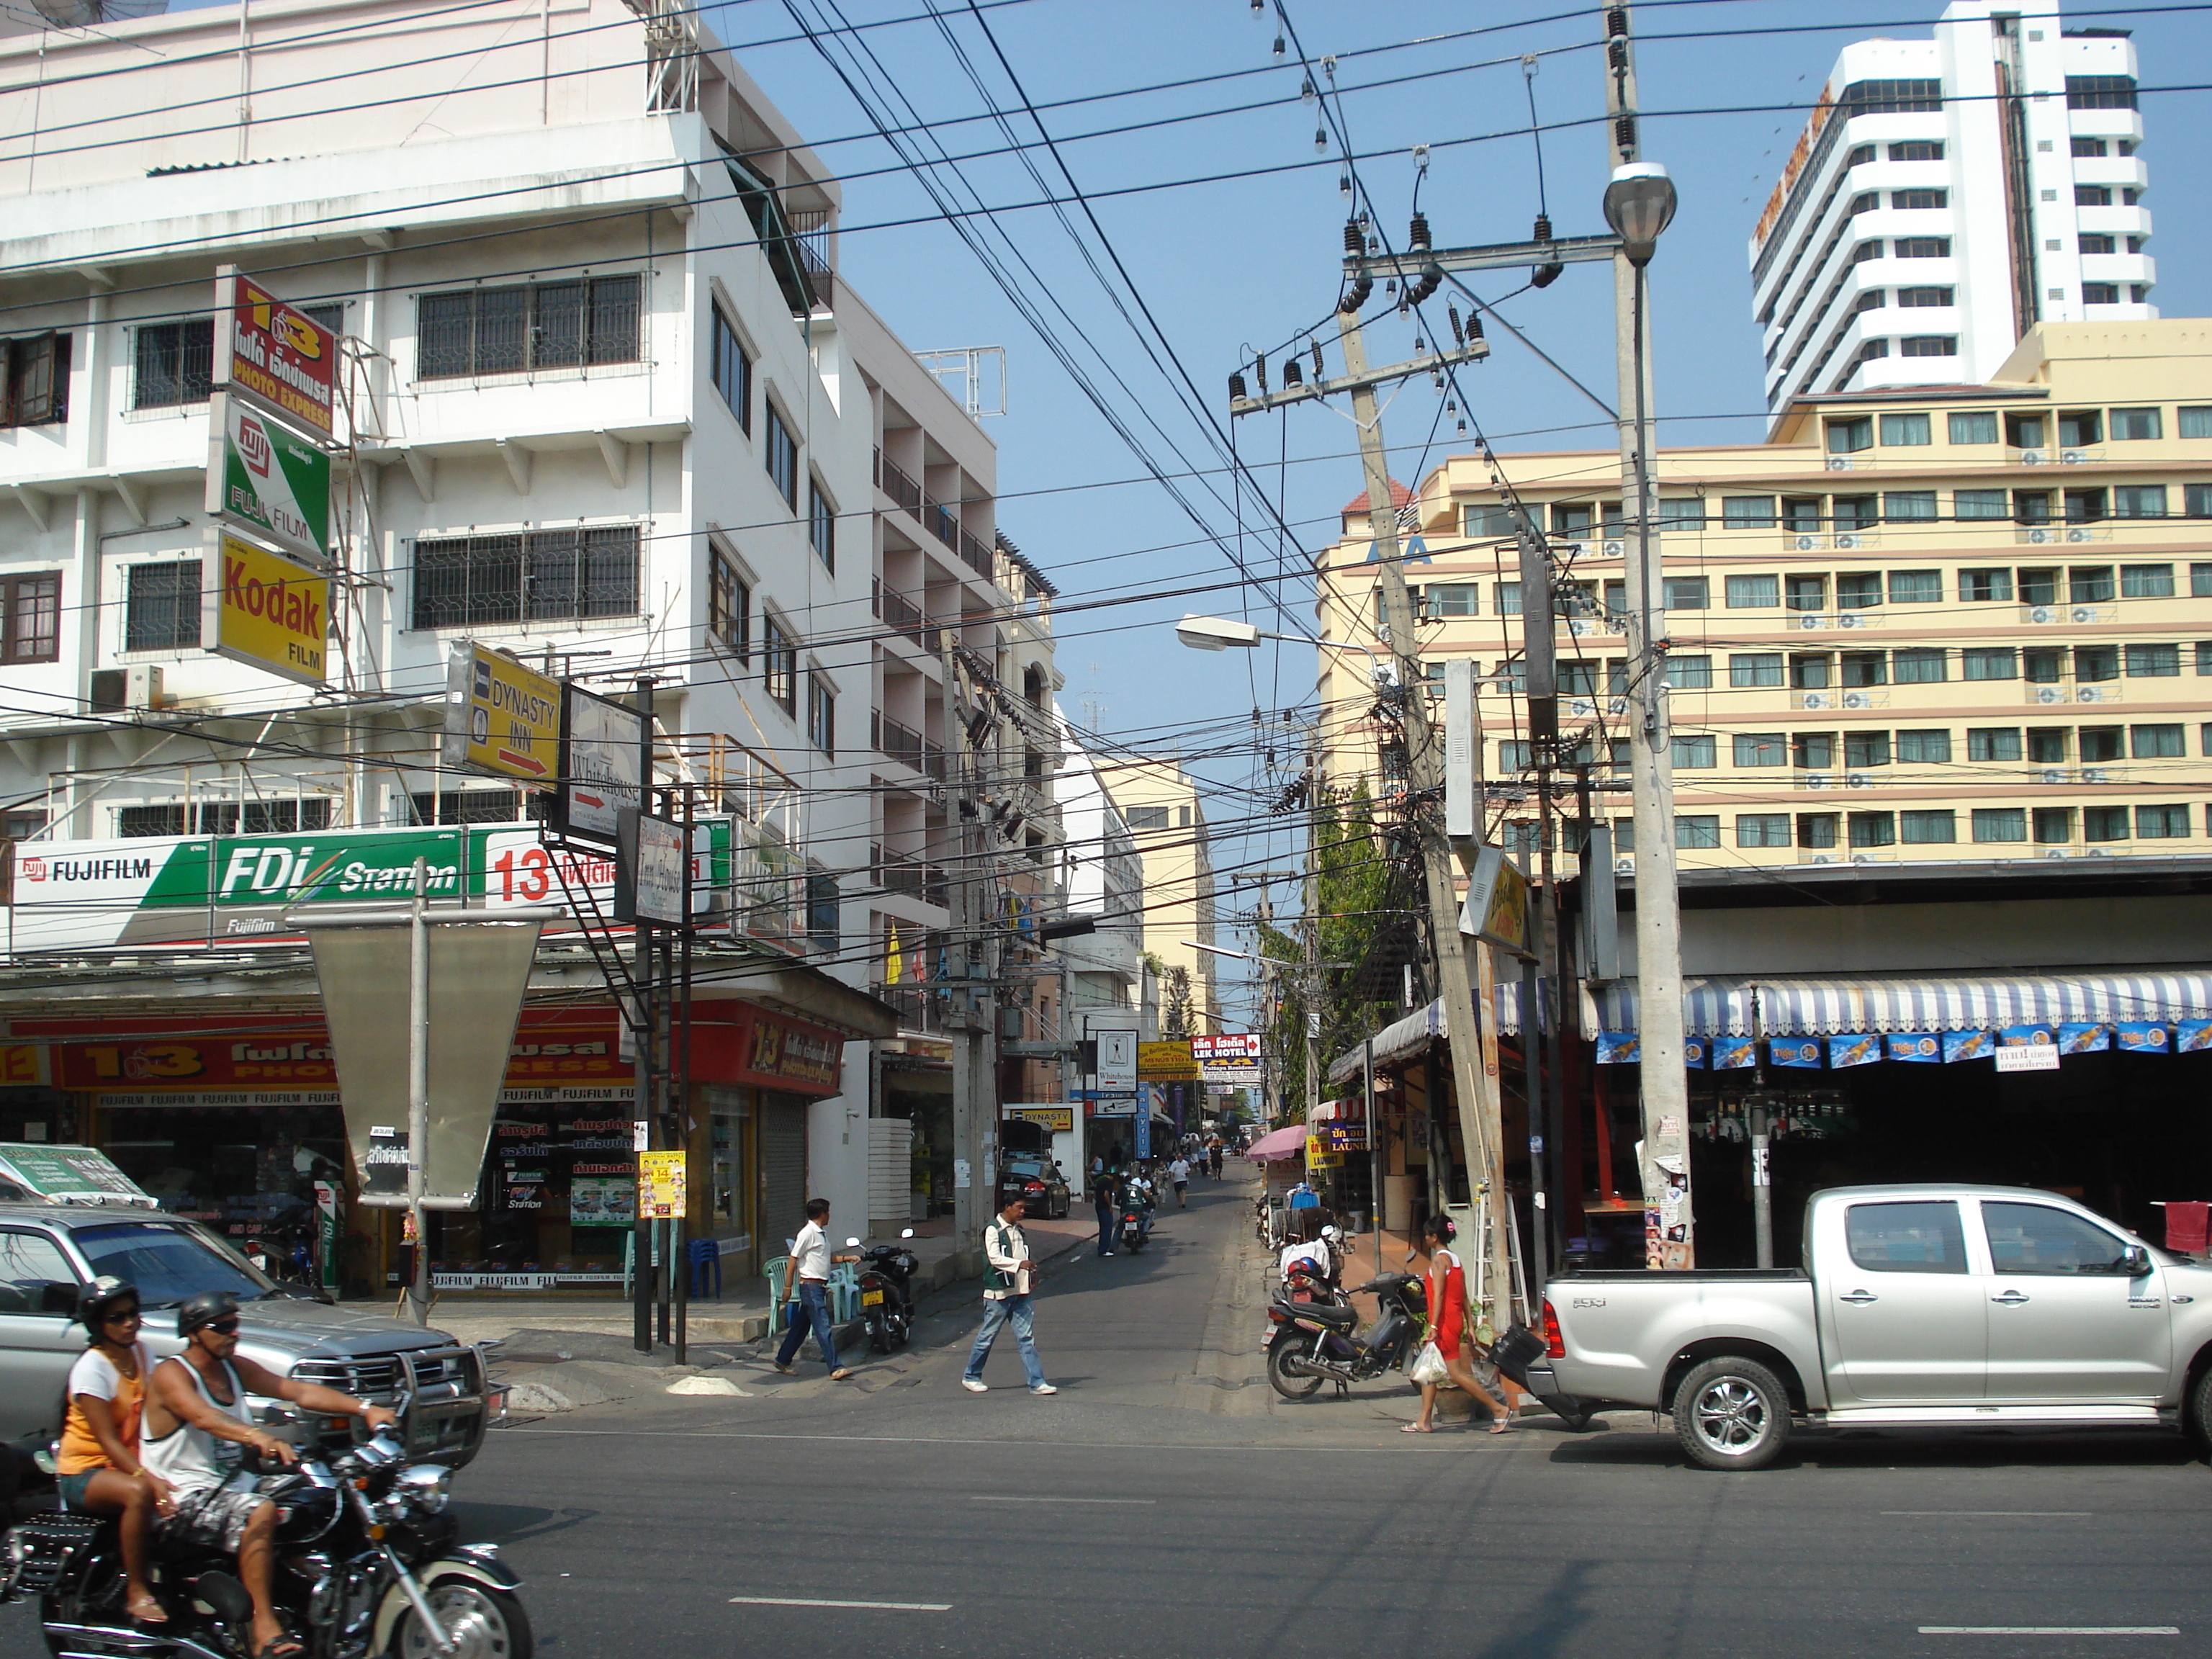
x: 917, y: 1085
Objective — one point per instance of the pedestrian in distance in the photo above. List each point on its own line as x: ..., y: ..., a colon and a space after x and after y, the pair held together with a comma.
x: 1106, y: 1203
x: 807, y: 1282
x: 1006, y: 1288
x: 1449, y: 1330
x: 1179, y: 1172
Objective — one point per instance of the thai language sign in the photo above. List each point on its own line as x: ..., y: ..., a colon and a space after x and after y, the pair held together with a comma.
x: 274, y: 352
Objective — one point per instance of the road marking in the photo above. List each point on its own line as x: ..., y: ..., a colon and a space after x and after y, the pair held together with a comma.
x: 2048, y: 1515
x: 802, y: 1601
x: 977, y: 1498
x: 2050, y: 1630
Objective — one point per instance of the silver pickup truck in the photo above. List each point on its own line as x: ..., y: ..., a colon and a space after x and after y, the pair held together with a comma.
x: 1919, y: 1306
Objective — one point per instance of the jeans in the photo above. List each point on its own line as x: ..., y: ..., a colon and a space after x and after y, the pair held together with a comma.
x: 1108, y: 1215
x: 813, y: 1314
x: 1002, y: 1310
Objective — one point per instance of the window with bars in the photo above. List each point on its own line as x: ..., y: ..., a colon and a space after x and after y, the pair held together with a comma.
x: 782, y: 457
x: 732, y: 369
x: 252, y: 817
x: 173, y: 364
x: 729, y: 604
x: 477, y: 806
x: 31, y: 616
x: 822, y: 522
x: 581, y: 323
x: 162, y: 606
x: 34, y: 380
x: 538, y: 575
x: 779, y: 663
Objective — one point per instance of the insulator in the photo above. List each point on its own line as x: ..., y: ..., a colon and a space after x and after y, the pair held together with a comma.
x: 1616, y: 55
x: 1237, y: 390
x: 1419, y: 236
x: 1321, y: 141
x: 1616, y: 22
x: 1355, y: 240
x: 1474, y: 326
x: 1317, y: 359
x: 1431, y: 280
x: 1459, y: 329
x: 1355, y: 296
x: 1260, y: 371
x: 1293, y: 372
x: 1278, y: 45
x: 1623, y: 133
x: 1543, y: 228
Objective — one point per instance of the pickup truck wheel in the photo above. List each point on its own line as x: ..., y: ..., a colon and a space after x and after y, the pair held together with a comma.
x: 1731, y: 1413
x: 2199, y: 1421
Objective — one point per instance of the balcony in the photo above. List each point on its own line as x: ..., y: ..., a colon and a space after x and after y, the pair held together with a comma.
x: 896, y: 485
x: 909, y: 878
x: 903, y: 614
x: 905, y: 744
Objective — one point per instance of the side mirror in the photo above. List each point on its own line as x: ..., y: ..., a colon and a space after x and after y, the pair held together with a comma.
x: 852, y: 1243
x: 57, y: 1297
x: 2135, y: 1262
x: 909, y: 1233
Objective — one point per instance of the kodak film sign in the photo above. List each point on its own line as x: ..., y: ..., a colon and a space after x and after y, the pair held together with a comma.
x: 274, y: 353
x: 266, y: 612
x: 267, y: 480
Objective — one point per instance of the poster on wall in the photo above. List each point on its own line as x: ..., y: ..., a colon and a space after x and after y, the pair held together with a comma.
x: 602, y: 1201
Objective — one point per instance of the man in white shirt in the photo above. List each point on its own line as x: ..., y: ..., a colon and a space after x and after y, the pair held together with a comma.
x: 806, y: 1281
x: 1006, y: 1300
x: 1179, y: 1172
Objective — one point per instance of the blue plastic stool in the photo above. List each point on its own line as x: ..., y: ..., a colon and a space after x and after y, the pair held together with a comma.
x: 706, y: 1259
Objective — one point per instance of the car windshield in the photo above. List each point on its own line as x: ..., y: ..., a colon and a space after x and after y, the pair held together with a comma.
x: 1028, y: 1167
x: 167, y: 1263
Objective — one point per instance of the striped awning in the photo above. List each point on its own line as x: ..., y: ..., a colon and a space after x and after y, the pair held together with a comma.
x: 1394, y: 1043
x: 1724, y: 1006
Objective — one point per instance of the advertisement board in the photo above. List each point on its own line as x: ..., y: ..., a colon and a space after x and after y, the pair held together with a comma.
x: 502, y: 718
x: 268, y: 480
x: 660, y: 1186
x: 1228, y: 1048
x: 1496, y: 909
x: 266, y: 612
x: 1166, y: 1062
x: 599, y: 769
x: 513, y: 866
x: 273, y: 352
x: 1117, y: 1060
x: 651, y: 887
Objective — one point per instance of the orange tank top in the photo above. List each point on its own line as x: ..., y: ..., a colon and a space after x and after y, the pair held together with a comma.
x: 80, y: 1449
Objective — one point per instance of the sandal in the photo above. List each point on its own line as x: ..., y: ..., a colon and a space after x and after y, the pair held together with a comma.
x: 839, y: 1376
x: 1413, y: 1428
x: 282, y: 1647
x: 1501, y: 1426
x: 152, y: 1618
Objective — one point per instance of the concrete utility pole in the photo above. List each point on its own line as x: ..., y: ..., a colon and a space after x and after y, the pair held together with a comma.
x: 1665, y: 1164
x: 975, y: 1103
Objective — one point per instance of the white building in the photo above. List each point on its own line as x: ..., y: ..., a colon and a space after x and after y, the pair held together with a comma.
x: 608, y: 405
x: 1947, y: 195
x: 1104, y: 878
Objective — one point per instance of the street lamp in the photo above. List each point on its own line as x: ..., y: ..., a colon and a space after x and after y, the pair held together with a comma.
x: 1639, y: 202
x: 1219, y: 633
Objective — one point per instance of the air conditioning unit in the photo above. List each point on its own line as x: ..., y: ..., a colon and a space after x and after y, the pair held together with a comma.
x: 2049, y: 694
x: 2031, y: 458
x: 2056, y: 853
x: 1821, y: 858
x: 1862, y: 700
x: 1624, y: 867
x: 2100, y: 774
x: 1858, y: 781
x: 1815, y: 780
x: 1806, y: 543
x: 2038, y: 537
x: 1816, y: 700
x: 2095, y: 694
x: 2054, y: 775
x: 1614, y: 549
x: 117, y: 690
x: 1838, y: 464
x: 2040, y: 613
x: 1849, y: 542
x: 2078, y: 534
x: 2072, y: 457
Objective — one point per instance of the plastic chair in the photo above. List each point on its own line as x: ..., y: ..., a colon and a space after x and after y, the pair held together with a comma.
x: 844, y: 1291
x: 773, y: 1272
x: 706, y: 1259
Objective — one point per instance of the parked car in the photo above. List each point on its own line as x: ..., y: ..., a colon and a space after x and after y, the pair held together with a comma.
x: 48, y: 1253
x: 1036, y: 1179
x: 1917, y: 1306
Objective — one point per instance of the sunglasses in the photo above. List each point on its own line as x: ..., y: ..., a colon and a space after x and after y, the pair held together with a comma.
x: 119, y: 1316
x: 222, y: 1327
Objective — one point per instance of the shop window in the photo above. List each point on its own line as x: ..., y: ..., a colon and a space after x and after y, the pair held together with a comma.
x: 31, y: 617
x: 1928, y: 827
x: 1971, y: 426
x: 2096, y: 663
x: 1863, y: 668
x: 1973, y: 504
x: 1813, y: 752
x: 2158, y: 742
x: 1929, y: 746
x: 1755, y: 668
x: 2155, y: 662
x: 2000, y: 823
x: 1690, y: 673
x: 1753, y: 592
x: 1761, y: 749
x: 1984, y: 586
x: 173, y: 364
x: 1988, y: 662
x: 1816, y: 829
x: 1762, y: 830
x: 162, y: 606
x: 1865, y: 748
x: 531, y: 326
x: 731, y: 370
x: 1858, y: 590
x: 1919, y: 665
x: 1747, y: 512
x: 2104, y: 823
x: 543, y: 575
x: 34, y: 374
x: 1993, y: 743
x: 1695, y: 831
x: 1695, y: 752
x: 2054, y: 825
x: 1873, y: 829
x: 1686, y: 593
x: 1904, y: 506
x: 729, y: 604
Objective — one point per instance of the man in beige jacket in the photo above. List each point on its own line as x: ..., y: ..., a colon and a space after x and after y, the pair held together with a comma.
x: 1006, y: 1300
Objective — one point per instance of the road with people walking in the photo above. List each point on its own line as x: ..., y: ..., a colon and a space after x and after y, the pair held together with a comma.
x: 1166, y: 1502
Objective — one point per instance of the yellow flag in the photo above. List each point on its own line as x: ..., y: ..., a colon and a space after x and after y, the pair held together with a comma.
x: 894, y: 963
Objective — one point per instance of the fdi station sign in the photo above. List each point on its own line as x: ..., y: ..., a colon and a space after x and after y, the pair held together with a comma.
x: 274, y: 353
x: 266, y: 612
x: 502, y: 718
x: 268, y: 480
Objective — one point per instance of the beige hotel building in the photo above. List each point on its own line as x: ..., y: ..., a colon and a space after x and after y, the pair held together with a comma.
x: 1965, y: 622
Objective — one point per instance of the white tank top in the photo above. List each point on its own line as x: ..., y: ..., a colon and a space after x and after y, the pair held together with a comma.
x: 188, y: 1457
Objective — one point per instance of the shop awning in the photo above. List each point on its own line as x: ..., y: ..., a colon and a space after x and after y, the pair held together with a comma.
x: 1806, y: 1006
x: 1398, y: 1040
x: 1279, y: 1143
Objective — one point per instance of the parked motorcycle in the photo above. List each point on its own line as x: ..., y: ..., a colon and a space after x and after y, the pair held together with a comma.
x: 368, y: 1566
x: 1317, y: 1341
x: 886, y: 1276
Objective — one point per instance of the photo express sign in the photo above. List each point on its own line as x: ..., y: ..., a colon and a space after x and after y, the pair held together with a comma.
x: 274, y: 353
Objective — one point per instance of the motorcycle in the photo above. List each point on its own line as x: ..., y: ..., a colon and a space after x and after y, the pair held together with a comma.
x: 1136, y: 1224
x: 886, y: 1277
x: 1317, y: 1341
x: 368, y: 1566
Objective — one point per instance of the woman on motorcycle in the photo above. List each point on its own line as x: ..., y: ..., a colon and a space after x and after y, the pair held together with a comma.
x: 1449, y: 1329
x: 98, y: 1463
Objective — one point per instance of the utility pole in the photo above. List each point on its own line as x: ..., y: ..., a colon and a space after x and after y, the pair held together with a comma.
x: 1666, y: 1094
x: 965, y: 871
x: 643, y: 1266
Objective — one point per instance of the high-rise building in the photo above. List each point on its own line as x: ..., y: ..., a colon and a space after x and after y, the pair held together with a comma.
x: 1949, y: 194
x: 1159, y: 801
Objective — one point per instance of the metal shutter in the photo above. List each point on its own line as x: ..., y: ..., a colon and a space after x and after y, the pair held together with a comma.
x: 783, y: 1172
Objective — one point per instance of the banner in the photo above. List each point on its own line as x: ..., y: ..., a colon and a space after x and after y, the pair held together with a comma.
x: 500, y: 717
x: 2192, y: 1035
x: 1694, y: 1053
x: 2143, y: 1037
x: 266, y: 612
x: 266, y: 480
x: 1968, y: 1045
x: 1059, y: 1119
x: 1735, y: 1054
x: 1166, y: 1062
x: 1854, y: 1048
x: 1619, y: 1048
x: 1917, y: 1048
x: 2084, y: 1039
x: 1495, y: 908
x: 273, y: 352
x: 1800, y: 1052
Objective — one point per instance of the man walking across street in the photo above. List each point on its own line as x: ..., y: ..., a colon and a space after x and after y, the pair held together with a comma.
x: 1179, y: 1172
x: 1006, y: 1300
x: 806, y: 1281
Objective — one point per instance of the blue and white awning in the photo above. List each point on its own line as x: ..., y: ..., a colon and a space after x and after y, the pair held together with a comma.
x: 1723, y: 1007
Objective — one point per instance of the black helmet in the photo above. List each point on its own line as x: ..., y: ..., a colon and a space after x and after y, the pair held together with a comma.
x: 196, y: 1313
x: 99, y: 1295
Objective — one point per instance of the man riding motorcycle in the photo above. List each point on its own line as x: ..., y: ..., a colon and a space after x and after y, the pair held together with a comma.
x: 196, y: 1430
x: 1136, y: 1194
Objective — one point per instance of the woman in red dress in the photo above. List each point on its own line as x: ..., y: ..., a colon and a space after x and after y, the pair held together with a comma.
x: 1449, y: 1329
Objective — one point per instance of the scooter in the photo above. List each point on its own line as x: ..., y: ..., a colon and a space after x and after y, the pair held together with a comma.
x: 1135, y: 1229
x: 886, y: 1277
x: 1315, y: 1342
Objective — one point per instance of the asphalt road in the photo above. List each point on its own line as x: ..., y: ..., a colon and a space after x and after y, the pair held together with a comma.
x: 1166, y: 1503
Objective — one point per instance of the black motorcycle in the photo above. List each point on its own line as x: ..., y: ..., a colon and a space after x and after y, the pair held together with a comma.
x: 886, y: 1277
x: 1315, y: 1342
x: 1136, y: 1229
x: 368, y: 1566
